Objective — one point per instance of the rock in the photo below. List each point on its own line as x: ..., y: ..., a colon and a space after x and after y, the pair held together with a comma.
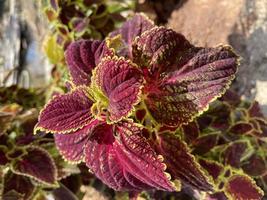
x: 240, y: 23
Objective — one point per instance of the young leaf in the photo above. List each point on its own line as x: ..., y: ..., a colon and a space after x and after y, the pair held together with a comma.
x: 242, y: 187
x: 121, y: 82
x: 37, y: 164
x: 180, y: 163
x: 133, y: 28
x: 71, y: 146
x: 66, y: 113
x: 126, y: 161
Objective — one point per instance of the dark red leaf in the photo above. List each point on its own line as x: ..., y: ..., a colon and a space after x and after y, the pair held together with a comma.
x: 19, y: 184
x: 241, y: 128
x: 3, y: 157
x: 241, y: 187
x: 37, y: 164
x: 234, y: 152
x: 212, y: 167
x: 191, y: 132
x: 255, y: 166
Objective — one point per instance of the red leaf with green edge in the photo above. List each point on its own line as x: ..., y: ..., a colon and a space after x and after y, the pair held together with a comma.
x: 159, y: 48
x: 255, y: 165
x: 20, y: 184
x: 71, y: 146
x: 241, y: 128
x: 66, y: 113
x: 190, y: 132
x: 242, y: 187
x: 36, y: 164
x: 205, y: 143
x: 122, y: 159
x: 213, y: 168
x: 234, y: 152
x: 186, y: 90
x: 180, y: 163
x: 121, y: 83
x: 82, y: 57
x: 132, y: 28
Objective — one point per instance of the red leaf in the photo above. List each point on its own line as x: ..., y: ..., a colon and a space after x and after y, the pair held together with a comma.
x: 121, y: 82
x: 192, y: 80
x: 82, y: 57
x: 71, y: 146
x: 126, y: 161
x: 66, y: 113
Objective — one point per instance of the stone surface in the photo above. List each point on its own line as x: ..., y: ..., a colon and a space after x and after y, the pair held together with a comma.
x: 241, y: 23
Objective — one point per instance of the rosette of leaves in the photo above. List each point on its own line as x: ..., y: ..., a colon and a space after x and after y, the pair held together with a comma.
x: 127, y: 95
x: 27, y: 165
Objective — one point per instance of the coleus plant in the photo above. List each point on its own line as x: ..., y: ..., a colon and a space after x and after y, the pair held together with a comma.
x: 128, y: 95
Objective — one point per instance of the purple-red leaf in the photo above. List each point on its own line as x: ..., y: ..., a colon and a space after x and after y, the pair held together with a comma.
x: 123, y: 160
x: 66, y: 113
x: 190, y: 132
x: 205, y: 143
x: 180, y: 163
x: 159, y: 48
x: 241, y: 187
x: 212, y: 167
x: 20, y: 184
x: 233, y: 154
x: 133, y: 28
x: 71, y: 146
x: 3, y: 157
x: 121, y: 82
x: 37, y: 164
x: 255, y: 166
x: 194, y: 79
x: 82, y: 57
x: 241, y: 128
